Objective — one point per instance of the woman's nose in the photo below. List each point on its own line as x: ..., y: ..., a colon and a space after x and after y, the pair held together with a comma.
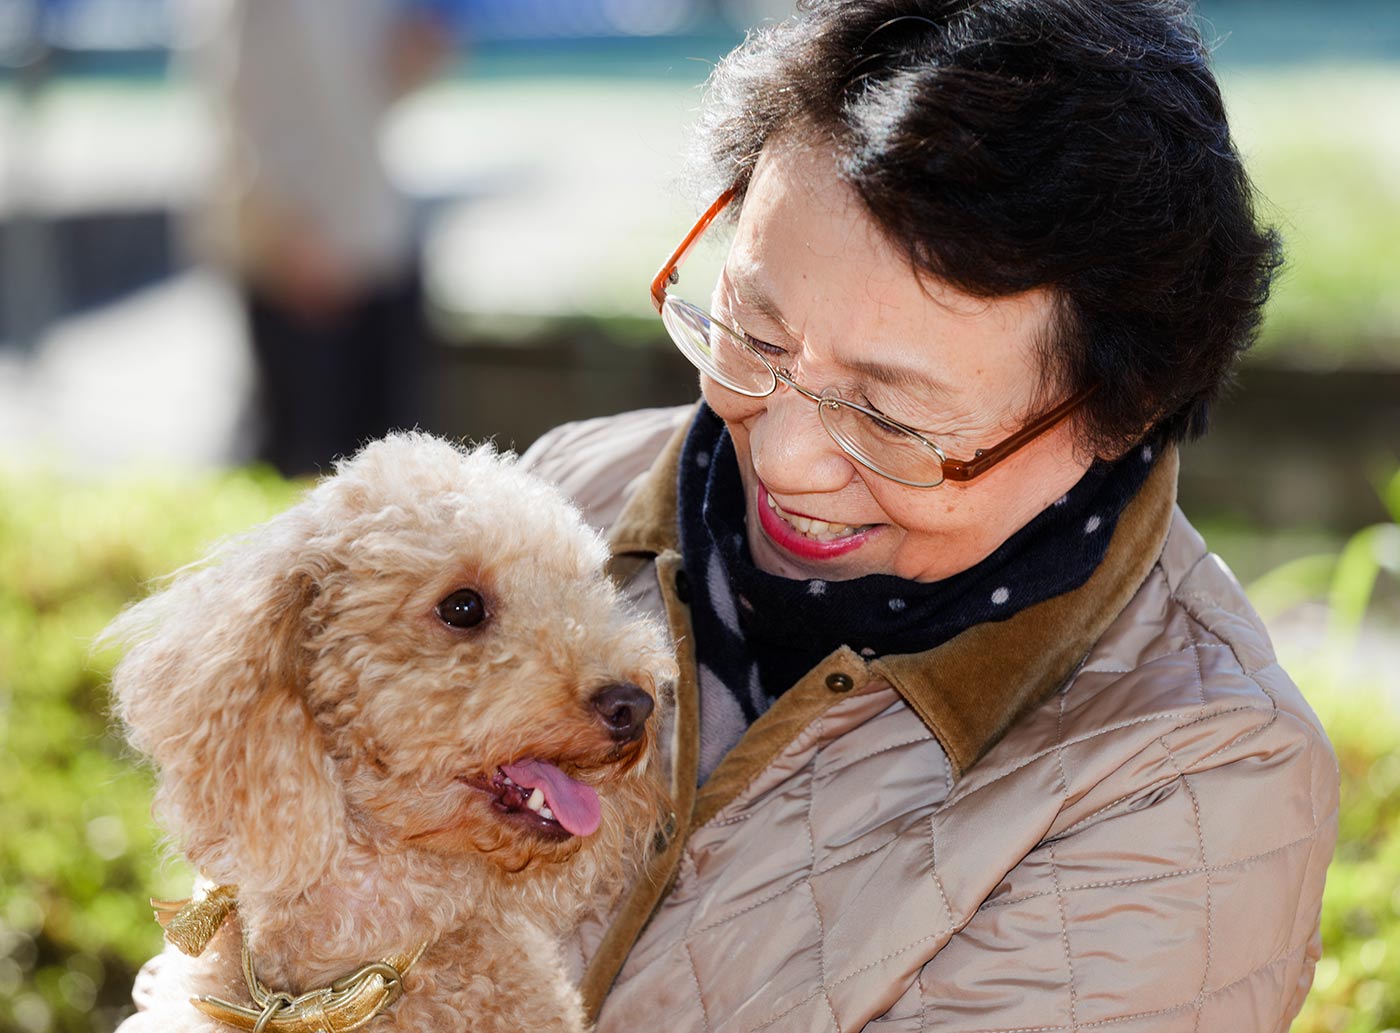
x: 792, y: 452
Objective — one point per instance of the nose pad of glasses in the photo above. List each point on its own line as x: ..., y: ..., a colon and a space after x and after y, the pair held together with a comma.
x: 828, y: 406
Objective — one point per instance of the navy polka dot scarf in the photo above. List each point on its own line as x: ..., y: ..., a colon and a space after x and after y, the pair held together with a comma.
x: 756, y: 633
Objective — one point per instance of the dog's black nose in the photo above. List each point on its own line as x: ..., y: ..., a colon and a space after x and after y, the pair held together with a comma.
x: 624, y: 709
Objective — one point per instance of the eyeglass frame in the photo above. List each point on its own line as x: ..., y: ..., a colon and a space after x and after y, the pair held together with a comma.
x: 957, y: 470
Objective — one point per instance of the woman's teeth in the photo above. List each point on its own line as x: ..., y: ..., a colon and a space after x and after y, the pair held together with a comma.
x: 819, y: 530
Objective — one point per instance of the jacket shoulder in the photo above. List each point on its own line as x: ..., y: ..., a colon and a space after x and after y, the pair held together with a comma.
x: 1188, y: 650
x: 1190, y: 810
x: 1186, y: 675
x: 1186, y: 808
x: 598, y: 462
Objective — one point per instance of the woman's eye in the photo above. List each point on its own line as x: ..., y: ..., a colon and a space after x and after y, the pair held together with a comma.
x: 764, y: 347
x: 463, y: 608
x: 884, y: 428
x: 896, y: 414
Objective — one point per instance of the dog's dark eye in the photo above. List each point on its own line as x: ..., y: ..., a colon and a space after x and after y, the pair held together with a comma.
x: 464, y: 608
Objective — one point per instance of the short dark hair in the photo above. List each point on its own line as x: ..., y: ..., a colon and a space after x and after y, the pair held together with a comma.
x: 1076, y: 145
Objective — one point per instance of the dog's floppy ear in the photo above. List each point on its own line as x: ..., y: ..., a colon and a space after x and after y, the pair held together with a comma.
x: 210, y: 689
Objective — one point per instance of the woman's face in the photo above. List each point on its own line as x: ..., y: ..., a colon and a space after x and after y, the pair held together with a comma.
x: 813, y: 282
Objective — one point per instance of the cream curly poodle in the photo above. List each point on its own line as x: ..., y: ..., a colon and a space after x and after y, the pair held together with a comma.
x: 412, y: 723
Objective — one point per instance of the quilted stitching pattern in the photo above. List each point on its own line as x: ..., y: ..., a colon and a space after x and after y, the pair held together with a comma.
x: 1225, y: 817
x: 1160, y: 802
x: 1177, y: 801
x: 790, y: 886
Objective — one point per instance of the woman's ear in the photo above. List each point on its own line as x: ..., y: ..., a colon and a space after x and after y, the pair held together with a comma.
x: 212, y: 690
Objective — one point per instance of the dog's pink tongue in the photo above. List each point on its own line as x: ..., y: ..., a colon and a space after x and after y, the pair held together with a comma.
x: 575, y: 805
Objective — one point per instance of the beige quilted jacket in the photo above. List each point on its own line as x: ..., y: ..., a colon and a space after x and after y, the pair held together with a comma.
x: 1113, y: 811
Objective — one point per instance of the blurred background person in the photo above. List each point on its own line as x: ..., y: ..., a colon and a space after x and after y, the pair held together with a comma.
x: 303, y: 216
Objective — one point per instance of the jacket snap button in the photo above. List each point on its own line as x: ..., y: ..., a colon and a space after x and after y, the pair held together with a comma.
x: 682, y: 587
x: 839, y: 682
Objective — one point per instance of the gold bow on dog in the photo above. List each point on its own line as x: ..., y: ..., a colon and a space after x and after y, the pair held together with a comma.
x: 347, y: 1004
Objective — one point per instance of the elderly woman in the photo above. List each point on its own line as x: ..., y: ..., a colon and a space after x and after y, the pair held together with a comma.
x: 973, y: 733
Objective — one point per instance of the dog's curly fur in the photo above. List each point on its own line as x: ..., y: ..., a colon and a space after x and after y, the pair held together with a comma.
x: 317, y: 727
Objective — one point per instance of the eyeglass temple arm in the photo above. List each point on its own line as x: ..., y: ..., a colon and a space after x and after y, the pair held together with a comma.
x: 957, y: 470
x: 667, y: 274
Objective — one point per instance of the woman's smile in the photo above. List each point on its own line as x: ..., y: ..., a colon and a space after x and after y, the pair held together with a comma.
x: 807, y: 537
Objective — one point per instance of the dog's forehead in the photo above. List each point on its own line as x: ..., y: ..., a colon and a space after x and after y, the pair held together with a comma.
x: 432, y: 476
x: 472, y: 505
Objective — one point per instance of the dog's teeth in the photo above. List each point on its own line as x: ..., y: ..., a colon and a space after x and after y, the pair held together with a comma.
x: 545, y: 812
x: 536, y: 802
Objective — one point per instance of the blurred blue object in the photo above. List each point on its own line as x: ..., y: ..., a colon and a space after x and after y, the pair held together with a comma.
x: 114, y: 25
x: 132, y: 35
x: 105, y: 24
x: 29, y: 26
x: 487, y: 20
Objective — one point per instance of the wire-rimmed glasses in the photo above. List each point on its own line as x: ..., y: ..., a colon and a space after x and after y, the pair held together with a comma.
x: 879, y: 443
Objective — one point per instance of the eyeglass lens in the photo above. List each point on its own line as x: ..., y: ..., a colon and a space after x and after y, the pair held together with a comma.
x: 715, y: 350
x: 719, y: 353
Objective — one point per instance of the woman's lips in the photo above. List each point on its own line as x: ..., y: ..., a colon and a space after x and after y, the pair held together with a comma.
x: 782, y: 528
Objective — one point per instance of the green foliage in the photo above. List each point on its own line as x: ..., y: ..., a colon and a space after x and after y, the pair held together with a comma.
x: 80, y: 856
x: 1357, y: 985
x: 1320, y: 142
x: 1346, y: 579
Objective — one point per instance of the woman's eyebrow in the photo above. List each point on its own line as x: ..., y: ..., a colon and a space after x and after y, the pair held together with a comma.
x: 901, y: 377
x: 751, y: 295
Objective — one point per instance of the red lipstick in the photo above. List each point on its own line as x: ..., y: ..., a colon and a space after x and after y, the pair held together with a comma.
x: 788, y: 538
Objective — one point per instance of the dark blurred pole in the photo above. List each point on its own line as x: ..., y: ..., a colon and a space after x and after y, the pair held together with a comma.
x: 29, y: 286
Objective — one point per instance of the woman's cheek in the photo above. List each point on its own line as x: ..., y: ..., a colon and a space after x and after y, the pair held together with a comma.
x: 730, y: 406
x: 920, y: 512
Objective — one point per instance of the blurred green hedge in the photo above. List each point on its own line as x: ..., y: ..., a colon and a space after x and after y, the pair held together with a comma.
x: 1357, y: 984
x: 1320, y: 142
x: 1356, y: 988
x: 79, y: 855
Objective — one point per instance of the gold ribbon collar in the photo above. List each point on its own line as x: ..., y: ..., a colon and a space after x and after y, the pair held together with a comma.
x: 349, y: 1003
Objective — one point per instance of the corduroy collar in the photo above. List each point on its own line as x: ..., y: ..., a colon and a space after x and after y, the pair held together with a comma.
x: 969, y: 690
